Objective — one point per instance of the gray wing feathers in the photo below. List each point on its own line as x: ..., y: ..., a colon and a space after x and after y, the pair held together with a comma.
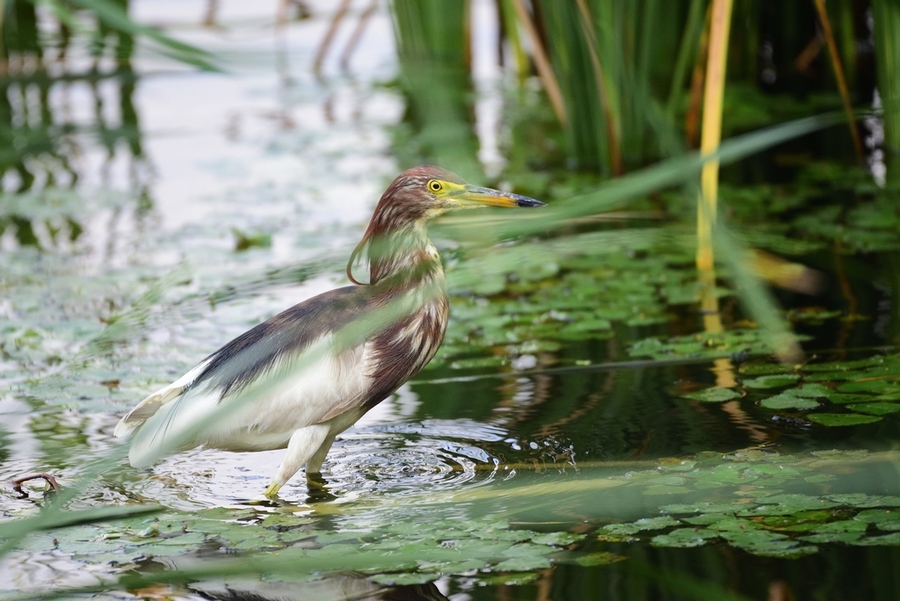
x: 150, y: 405
x: 175, y: 417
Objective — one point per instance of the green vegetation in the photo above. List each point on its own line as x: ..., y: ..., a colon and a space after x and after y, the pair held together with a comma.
x: 583, y: 421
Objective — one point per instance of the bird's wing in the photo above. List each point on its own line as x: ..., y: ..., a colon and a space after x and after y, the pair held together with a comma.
x: 227, y: 403
x: 150, y: 405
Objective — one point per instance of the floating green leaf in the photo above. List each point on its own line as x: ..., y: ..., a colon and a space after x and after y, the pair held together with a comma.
x: 713, y: 395
x: 872, y: 386
x: 812, y: 391
x: 877, y: 408
x: 842, y: 419
x: 684, y: 537
x: 702, y: 345
x: 844, y: 531
x: 789, y: 400
x: 883, y: 519
x: 773, y: 381
x: 640, y: 525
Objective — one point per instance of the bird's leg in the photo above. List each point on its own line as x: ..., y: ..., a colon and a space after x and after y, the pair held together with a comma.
x: 314, y: 465
x: 304, y: 443
x: 314, y: 477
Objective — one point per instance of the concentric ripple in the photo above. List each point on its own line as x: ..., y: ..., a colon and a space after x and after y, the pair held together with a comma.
x: 374, y: 461
x: 411, y: 458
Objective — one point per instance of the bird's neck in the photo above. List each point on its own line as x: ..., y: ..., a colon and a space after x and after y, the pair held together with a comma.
x: 404, y: 258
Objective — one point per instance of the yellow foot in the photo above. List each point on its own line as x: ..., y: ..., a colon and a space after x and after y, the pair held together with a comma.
x: 272, y: 491
x: 315, y: 481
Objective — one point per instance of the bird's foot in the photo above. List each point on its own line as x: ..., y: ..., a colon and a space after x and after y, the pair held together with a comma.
x: 315, y: 480
x: 317, y: 489
x: 272, y: 490
x: 315, y: 483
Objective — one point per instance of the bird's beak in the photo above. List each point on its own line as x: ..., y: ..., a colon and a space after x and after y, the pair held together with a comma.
x: 476, y: 196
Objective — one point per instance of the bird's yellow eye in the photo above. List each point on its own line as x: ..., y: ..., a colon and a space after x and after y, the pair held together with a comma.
x: 435, y: 186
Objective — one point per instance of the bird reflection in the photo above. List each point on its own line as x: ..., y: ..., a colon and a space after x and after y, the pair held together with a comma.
x: 340, y: 587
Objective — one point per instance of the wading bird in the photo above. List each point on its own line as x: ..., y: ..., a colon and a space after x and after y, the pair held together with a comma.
x: 309, y: 373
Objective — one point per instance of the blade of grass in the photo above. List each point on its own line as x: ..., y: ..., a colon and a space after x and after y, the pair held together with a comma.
x: 617, y: 192
x: 115, y: 17
x: 511, y: 30
x: 433, y: 48
x: 692, y: 115
x: 612, y: 195
x: 610, y: 122
x: 711, y: 135
x: 690, y: 40
x: 886, y: 16
x: 62, y: 519
x: 602, y: 490
x: 541, y: 62
x: 756, y: 297
x: 839, y: 77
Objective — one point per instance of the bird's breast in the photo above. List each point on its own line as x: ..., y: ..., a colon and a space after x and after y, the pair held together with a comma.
x: 402, y: 349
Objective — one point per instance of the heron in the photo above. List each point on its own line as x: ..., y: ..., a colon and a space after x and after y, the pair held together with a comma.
x: 307, y: 374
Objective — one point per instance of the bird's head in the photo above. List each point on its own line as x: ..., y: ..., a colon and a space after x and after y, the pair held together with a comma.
x: 422, y: 193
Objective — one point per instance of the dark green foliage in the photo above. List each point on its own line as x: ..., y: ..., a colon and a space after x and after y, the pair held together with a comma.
x: 886, y: 19
x: 433, y: 47
x: 614, y: 66
x: 828, y: 394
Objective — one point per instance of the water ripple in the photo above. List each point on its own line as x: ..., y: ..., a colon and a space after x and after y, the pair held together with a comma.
x: 386, y: 459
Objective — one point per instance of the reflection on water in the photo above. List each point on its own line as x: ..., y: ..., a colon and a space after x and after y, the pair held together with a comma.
x: 267, y: 148
x: 34, y: 571
x: 370, y: 460
x: 342, y: 587
x: 247, y: 149
x: 67, y: 120
x: 38, y: 571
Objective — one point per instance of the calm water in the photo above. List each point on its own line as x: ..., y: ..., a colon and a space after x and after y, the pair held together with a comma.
x: 267, y: 149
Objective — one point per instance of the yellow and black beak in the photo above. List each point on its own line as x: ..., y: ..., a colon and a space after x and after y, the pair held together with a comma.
x: 466, y: 195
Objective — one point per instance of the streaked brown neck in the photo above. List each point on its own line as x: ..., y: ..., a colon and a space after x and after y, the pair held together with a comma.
x: 400, y: 254
x: 403, y: 257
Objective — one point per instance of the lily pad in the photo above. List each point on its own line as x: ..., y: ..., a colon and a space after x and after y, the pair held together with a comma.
x: 843, y: 531
x: 812, y: 391
x: 840, y: 398
x: 702, y: 345
x: 773, y: 381
x: 789, y: 400
x: 877, y: 408
x: 842, y: 419
x: 713, y: 395
x: 892, y: 539
x: 684, y: 538
x: 883, y: 519
x: 873, y: 386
